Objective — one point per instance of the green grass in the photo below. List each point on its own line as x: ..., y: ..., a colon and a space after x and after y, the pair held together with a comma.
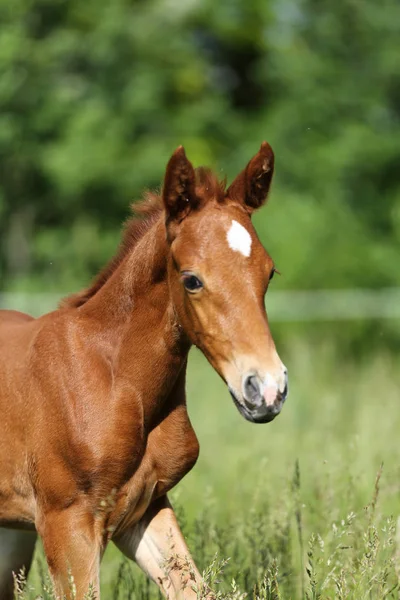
x: 301, y: 507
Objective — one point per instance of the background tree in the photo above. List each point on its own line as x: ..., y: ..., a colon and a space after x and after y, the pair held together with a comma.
x: 95, y: 95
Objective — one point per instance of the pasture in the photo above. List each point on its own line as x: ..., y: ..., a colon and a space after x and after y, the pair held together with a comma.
x: 303, y: 507
x: 94, y: 97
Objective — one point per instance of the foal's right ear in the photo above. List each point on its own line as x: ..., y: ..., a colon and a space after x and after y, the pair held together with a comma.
x: 251, y: 186
x: 179, y: 186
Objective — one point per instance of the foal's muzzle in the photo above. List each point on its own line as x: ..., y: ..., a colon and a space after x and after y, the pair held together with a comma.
x: 262, y: 399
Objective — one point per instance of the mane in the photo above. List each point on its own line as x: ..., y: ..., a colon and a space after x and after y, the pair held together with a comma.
x: 144, y: 215
x: 208, y: 186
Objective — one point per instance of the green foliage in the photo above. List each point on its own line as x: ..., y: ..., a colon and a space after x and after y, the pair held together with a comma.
x: 95, y: 95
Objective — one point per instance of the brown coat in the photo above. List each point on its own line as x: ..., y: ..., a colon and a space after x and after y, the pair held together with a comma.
x: 92, y: 396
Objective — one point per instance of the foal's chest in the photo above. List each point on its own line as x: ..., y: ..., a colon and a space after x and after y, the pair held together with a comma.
x: 171, y: 452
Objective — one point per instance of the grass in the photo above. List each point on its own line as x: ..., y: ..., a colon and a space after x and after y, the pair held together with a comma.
x: 303, y: 508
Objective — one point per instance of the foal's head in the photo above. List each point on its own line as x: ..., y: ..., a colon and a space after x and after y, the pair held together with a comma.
x: 218, y: 275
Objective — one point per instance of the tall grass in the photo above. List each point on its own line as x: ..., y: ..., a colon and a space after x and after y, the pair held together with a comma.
x: 303, y: 508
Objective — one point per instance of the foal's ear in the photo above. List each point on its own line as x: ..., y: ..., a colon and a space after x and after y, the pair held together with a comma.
x: 251, y: 186
x: 179, y: 186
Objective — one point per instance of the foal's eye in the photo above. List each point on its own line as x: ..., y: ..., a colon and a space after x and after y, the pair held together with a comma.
x: 273, y: 273
x: 191, y: 282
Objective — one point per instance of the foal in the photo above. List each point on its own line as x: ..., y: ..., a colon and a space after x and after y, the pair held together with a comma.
x: 92, y: 396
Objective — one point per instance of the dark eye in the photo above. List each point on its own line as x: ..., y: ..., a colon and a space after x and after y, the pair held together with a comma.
x: 191, y: 282
x: 273, y: 273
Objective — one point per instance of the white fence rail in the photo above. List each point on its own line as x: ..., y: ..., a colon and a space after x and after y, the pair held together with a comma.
x: 313, y: 305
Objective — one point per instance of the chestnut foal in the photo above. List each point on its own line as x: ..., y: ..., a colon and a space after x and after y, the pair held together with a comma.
x: 95, y: 429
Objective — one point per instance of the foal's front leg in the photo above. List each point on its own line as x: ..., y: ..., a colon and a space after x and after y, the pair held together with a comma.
x: 156, y: 543
x: 72, y: 544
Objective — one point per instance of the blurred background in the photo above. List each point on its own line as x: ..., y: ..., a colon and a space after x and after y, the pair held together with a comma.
x: 95, y: 96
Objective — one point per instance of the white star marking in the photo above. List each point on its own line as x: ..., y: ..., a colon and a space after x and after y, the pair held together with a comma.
x: 239, y: 239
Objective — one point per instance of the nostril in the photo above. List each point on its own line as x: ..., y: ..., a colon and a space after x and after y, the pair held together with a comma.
x: 285, y: 389
x: 251, y: 388
x: 252, y: 384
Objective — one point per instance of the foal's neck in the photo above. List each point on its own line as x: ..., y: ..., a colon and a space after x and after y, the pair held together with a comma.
x: 134, y: 309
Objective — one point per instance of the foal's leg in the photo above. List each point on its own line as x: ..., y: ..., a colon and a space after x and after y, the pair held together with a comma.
x: 72, y: 547
x: 16, y: 552
x: 157, y: 545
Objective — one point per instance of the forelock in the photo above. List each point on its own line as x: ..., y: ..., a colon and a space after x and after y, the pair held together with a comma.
x: 208, y: 186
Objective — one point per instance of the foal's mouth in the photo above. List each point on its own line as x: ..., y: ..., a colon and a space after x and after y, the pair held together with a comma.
x: 262, y: 413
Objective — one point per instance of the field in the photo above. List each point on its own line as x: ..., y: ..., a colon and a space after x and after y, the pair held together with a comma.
x: 305, y: 507
x: 95, y: 96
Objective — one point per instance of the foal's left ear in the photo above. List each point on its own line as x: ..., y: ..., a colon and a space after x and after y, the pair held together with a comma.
x: 179, y: 186
x: 252, y: 185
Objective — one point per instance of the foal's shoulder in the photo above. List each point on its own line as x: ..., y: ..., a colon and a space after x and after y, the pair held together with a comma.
x: 66, y: 330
